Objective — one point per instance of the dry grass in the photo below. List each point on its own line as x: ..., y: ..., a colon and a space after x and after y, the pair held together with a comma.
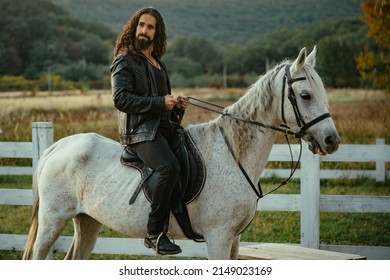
x: 360, y: 115
x: 57, y: 102
x: 73, y: 101
x: 363, y: 119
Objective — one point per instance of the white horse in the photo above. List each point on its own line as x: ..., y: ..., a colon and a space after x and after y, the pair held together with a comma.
x: 80, y: 177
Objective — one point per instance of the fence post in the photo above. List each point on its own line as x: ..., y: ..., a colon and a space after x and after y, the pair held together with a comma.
x: 42, y: 138
x: 380, y: 166
x: 310, y: 200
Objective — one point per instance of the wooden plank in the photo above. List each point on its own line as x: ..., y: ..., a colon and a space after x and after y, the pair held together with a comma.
x: 355, y: 203
x: 370, y: 252
x: 16, y: 150
x: 349, y: 174
x: 12, y: 242
x: 107, y: 245
x: 328, y: 203
x: 359, y: 153
x: 281, y: 152
x: 280, y: 202
x: 324, y: 174
x: 345, y: 153
x: 16, y: 170
x: 16, y: 197
x: 274, y: 251
x: 279, y: 173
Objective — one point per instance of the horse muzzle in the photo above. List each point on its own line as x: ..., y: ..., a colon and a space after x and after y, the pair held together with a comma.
x: 328, y: 145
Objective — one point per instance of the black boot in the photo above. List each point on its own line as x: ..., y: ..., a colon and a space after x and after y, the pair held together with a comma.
x: 161, y: 244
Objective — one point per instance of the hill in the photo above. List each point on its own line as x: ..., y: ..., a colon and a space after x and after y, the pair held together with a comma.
x: 37, y: 35
x: 219, y: 21
x: 41, y: 38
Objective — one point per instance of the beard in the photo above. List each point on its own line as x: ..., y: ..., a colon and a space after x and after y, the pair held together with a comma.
x: 142, y: 44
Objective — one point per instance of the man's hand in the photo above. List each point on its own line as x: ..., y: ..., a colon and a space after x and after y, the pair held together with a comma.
x: 182, y: 102
x: 170, y: 102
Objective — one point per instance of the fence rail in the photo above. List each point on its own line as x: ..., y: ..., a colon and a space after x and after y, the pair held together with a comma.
x: 310, y: 202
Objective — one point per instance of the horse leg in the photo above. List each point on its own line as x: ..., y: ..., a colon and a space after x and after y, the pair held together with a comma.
x: 219, y: 247
x: 48, y: 232
x: 86, y: 231
x: 235, y: 247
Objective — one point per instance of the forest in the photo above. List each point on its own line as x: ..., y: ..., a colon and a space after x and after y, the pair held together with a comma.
x: 74, y: 46
x: 222, y: 22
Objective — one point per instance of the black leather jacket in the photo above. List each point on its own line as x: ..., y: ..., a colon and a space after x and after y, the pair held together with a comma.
x: 135, y: 96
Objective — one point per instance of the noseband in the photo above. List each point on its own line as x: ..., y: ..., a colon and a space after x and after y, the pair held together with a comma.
x: 303, y: 126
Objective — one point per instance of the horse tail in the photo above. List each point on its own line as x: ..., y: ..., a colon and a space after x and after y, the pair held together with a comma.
x: 32, y: 233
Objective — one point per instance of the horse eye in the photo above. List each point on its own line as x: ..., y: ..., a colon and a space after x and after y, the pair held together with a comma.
x: 306, y: 96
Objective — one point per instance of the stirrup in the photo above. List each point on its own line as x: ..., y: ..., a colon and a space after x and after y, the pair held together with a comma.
x: 156, y: 246
x: 158, y: 239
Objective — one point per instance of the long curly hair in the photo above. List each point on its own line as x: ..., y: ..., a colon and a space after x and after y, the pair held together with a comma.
x: 126, y: 39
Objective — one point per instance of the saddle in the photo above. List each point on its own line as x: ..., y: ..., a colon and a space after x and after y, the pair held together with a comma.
x: 192, y: 178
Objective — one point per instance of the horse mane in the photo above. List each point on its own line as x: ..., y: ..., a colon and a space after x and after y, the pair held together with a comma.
x: 254, y: 105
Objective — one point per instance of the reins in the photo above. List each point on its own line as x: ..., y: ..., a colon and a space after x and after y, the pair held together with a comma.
x: 258, y: 191
x: 285, y: 129
x: 225, y: 113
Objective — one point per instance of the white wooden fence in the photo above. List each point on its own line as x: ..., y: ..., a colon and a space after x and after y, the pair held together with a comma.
x: 309, y: 202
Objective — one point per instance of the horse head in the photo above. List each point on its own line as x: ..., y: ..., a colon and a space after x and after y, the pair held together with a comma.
x: 305, y: 107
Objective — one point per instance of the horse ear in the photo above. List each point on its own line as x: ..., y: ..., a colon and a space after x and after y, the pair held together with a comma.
x: 311, y: 59
x: 298, y: 63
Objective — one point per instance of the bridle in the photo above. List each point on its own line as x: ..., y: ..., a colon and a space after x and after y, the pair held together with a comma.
x: 303, y: 126
x: 284, y: 128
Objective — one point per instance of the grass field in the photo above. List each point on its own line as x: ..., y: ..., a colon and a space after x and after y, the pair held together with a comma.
x: 361, y: 116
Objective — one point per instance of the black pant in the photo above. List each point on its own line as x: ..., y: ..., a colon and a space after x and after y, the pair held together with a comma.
x: 158, y: 155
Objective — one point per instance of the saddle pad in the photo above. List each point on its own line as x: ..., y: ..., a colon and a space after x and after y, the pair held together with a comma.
x: 195, y: 186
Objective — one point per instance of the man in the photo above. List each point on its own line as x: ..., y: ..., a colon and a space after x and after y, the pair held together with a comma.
x: 148, y: 113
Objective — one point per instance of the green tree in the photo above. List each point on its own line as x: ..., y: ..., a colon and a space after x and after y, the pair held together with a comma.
x: 183, y: 65
x: 197, y: 49
x: 12, y: 61
x: 374, y: 61
x: 336, y: 63
x: 35, y: 35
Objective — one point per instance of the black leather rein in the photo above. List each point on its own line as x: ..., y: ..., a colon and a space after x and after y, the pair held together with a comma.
x: 284, y: 128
